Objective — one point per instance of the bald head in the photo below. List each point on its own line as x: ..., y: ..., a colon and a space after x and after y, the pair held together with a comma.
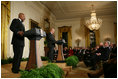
x: 21, y: 16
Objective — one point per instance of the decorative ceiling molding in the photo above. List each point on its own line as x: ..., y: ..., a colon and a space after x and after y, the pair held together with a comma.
x: 42, y: 7
x: 76, y: 9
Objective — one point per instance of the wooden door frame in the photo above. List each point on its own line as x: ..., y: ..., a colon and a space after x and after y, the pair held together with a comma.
x: 66, y: 29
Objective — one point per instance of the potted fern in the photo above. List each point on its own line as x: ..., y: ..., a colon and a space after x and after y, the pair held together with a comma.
x: 72, y: 61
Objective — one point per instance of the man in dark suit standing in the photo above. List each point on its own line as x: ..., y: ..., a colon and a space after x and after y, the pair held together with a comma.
x: 51, y: 43
x: 106, y: 52
x: 17, y: 41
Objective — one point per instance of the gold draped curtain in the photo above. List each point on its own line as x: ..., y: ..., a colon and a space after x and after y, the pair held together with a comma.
x: 87, y: 37
x: 65, y: 29
x: 5, y: 18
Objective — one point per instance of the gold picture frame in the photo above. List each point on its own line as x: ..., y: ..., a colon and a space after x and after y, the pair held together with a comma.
x: 46, y: 25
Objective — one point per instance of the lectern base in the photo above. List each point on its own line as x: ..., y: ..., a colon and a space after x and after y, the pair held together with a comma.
x: 60, y: 61
x: 34, y: 56
x: 60, y: 56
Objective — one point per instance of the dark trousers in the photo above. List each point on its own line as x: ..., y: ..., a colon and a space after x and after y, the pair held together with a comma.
x: 18, y: 52
x: 51, y: 52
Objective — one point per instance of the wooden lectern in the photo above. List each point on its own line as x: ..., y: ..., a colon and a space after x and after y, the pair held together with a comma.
x: 60, y: 56
x: 34, y: 35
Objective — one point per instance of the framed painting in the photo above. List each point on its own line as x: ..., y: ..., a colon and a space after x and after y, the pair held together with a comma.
x: 46, y: 25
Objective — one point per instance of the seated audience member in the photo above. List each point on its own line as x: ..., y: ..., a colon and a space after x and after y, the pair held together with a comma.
x: 109, y: 68
x: 87, y: 58
x: 55, y: 53
x: 55, y: 50
x: 113, y: 52
x: 111, y: 47
x: 65, y: 52
x: 78, y: 54
x: 84, y: 49
x: 70, y: 53
x: 98, y: 54
x: 81, y: 53
x: 95, y: 57
x: 75, y: 50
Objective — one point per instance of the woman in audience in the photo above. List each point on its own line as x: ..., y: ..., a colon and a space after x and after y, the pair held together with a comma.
x: 70, y: 51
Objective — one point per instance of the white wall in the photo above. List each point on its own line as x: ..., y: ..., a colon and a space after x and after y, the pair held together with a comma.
x: 106, y: 30
x: 77, y: 30
x: 33, y: 11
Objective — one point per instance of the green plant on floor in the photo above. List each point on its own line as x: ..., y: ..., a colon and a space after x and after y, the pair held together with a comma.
x: 34, y: 73
x: 6, y: 61
x: 24, y: 59
x: 48, y: 71
x: 9, y: 60
x: 45, y: 59
x: 72, y: 61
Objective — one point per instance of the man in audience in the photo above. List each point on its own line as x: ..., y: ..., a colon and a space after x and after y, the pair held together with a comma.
x: 94, y: 57
x: 79, y: 54
x: 65, y: 52
x: 75, y: 50
x: 87, y: 57
x: 106, y: 52
x: 114, y: 51
x: 55, y: 53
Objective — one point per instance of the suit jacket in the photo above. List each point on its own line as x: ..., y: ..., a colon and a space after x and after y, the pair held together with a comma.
x: 65, y: 51
x: 51, y: 40
x: 16, y: 26
x: 105, y: 54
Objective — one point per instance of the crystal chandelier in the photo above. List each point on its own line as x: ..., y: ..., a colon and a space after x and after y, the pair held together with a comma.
x: 93, y: 23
